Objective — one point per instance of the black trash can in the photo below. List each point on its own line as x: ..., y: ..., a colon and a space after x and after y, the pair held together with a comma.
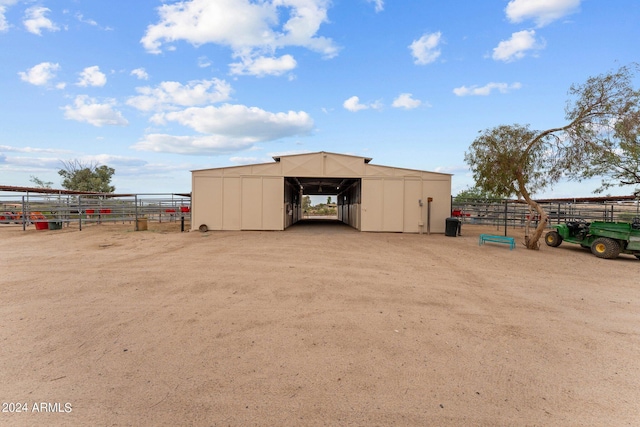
x: 452, y: 227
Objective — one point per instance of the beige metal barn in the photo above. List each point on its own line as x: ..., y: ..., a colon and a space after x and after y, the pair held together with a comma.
x: 369, y: 197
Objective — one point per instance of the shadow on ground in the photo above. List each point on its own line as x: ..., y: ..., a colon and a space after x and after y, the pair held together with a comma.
x: 321, y: 226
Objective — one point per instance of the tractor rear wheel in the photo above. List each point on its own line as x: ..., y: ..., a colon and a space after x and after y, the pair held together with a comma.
x: 603, y: 247
x: 553, y: 239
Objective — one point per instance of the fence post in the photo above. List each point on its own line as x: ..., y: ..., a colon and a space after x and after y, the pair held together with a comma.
x: 136, y: 212
x: 24, y: 219
x: 506, y: 213
x: 80, y: 210
x: 26, y: 212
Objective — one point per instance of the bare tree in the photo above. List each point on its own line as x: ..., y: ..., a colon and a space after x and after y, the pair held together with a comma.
x: 40, y: 183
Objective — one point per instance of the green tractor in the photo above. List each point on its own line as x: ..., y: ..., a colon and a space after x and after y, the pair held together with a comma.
x: 605, y: 239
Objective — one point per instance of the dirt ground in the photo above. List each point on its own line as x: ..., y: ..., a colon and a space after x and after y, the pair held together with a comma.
x: 313, y: 326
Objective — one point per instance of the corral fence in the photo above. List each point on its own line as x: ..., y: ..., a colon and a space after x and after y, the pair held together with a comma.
x: 54, y: 211
x: 513, y: 214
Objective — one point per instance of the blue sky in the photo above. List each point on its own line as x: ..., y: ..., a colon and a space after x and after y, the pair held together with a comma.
x: 157, y: 88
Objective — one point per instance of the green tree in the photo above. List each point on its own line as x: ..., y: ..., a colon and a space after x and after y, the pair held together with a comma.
x: 79, y: 176
x: 476, y: 194
x: 306, y: 202
x: 517, y: 161
x: 40, y: 183
x: 617, y: 159
x: 329, y: 200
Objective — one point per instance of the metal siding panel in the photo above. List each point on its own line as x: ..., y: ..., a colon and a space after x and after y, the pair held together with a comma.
x: 206, y: 195
x: 393, y: 205
x: 208, y: 173
x: 251, y: 209
x: 303, y: 166
x: 383, y: 171
x: 236, y: 170
x: 413, y: 213
x: 441, y: 205
x: 371, y: 212
x: 231, y: 203
x: 267, y: 169
x: 343, y: 166
x: 373, y: 170
x: 272, y: 203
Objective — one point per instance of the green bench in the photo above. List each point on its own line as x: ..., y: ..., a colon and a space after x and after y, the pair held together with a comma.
x: 497, y: 239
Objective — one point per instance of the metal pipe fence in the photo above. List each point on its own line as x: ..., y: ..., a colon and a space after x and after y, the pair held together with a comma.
x: 56, y: 210
x: 508, y: 213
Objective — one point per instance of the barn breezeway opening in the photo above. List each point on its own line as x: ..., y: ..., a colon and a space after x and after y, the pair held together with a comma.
x: 346, y: 192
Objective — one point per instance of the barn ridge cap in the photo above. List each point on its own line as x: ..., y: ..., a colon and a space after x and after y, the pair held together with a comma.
x: 366, y: 159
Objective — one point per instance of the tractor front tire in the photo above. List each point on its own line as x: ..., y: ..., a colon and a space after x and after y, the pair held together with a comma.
x: 553, y: 239
x: 606, y: 248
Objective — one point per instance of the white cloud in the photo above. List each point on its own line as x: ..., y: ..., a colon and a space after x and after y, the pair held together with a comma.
x: 251, y: 29
x: 517, y: 46
x: 113, y: 160
x: 4, y: 25
x: 92, y: 76
x: 140, y: 73
x: 486, y: 89
x: 80, y: 17
x: 92, y: 22
x: 241, y: 121
x: 406, y: 101
x: 378, y: 3
x: 4, y: 5
x: 170, y: 95
x: 204, y: 62
x: 35, y: 20
x: 40, y: 74
x: 262, y: 66
x: 9, y: 148
x: 425, y: 49
x: 227, y: 128
x: 21, y: 163
x: 353, y: 104
x: 88, y: 110
x: 192, y: 145
x: 543, y: 12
